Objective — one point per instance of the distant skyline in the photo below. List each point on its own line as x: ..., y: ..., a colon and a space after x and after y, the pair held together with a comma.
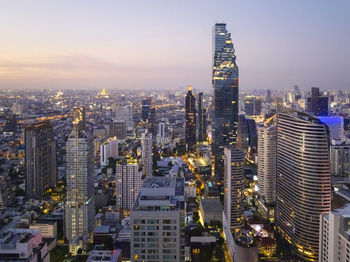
x: 168, y: 44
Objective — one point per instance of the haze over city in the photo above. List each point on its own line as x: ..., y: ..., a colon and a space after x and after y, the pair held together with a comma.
x: 167, y: 44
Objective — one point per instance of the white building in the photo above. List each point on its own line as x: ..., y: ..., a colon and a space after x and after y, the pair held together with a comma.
x: 47, y: 229
x: 146, y: 154
x: 129, y: 182
x: 267, y: 169
x: 234, y: 186
x: 125, y: 113
x: 80, y: 206
x: 23, y: 245
x: 335, y: 236
x: 158, y: 221
x: 108, y: 149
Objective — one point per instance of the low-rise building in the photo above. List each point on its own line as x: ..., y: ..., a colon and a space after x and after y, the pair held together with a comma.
x: 23, y: 245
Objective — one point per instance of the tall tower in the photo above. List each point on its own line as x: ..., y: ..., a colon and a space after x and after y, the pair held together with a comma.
x: 146, y: 154
x: 267, y: 168
x: 40, y: 158
x: 234, y: 187
x: 129, y: 183
x: 303, y: 179
x: 225, y: 84
x: 202, y: 123
x: 80, y: 205
x: 190, y: 119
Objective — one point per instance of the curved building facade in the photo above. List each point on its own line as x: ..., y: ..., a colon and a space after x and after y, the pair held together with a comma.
x: 303, y: 179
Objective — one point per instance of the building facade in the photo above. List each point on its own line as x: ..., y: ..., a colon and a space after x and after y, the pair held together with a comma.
x: 108, y: 148
x: 146, y: 154
x: 80, y: 206
x: 129, y: 182
x: 334, y: 236
x: 303, y: 179
x: 190, y: 107
x: 158, y: 221
x: 40, y: 158
x: 267, y: 169
x: 202, y: 119
x: 234, y: 187
x: 119, y: 129
x: 225, y: 85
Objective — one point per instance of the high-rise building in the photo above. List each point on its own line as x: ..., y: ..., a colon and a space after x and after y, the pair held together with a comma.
x: 340, y: 158
x: 80, y: 205
x: 234, y: 187
x: 317, y: 104
x: 247, y: 136
x: 268, y: 96
x: 158, y: 221
x: 146, y: 108
x: 146, y: 154
x: 225, y: 84
x: 40, y: 158
x: 335, y: 125
x: 190, y: 119
x: 119, y: 129
x: 334, y: 236
x: 252, y: 106
x: 125, y: 113
x: 108, y: 148
x: 267, y: 168
x: 202, y: 119
x: 303, y: 179
x: 129, y: 182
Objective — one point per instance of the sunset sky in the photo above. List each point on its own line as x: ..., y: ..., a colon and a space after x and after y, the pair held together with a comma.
x: 168, y: 44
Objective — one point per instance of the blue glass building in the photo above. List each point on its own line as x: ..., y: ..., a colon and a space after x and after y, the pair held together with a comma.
x: 225, y: 84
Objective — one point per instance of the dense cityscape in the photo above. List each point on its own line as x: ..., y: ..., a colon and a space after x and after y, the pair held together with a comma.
x: 176, y: 174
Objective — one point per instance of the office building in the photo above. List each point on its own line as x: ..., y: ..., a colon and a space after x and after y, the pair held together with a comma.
x: 268, y: 96
x: 234, y: 187
x: 317, y: 103
x: 252, y: 106
x: 335, y: 125
x: 340, y: 158
x: 40, y: 158
x: 267, y: 168
x: 303, y: 179
x: 125, y: 113
x: 17, y: 244
x: 80, y: 206
x: 335, y: 235
x: 158, y: 221
x: 146, y: 154
x: 202, y: 119
x: 119, y: 129
x: 225, y: 85
x: 247, y: 136
x: 108, y: 149
x: 129, y: 182
x: 146, y: 106
x: 190, y: 106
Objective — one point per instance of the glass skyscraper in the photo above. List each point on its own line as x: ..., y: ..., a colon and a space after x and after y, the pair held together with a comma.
x: 225, y: 84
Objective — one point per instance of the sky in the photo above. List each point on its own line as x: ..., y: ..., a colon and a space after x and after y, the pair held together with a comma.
x: 157, y: 44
